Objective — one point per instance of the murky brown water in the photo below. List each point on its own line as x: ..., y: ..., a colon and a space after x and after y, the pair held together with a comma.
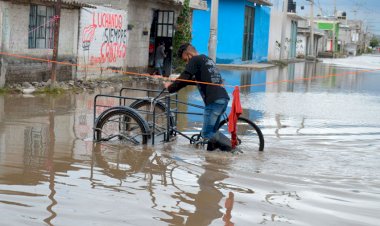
x: 320, y: 165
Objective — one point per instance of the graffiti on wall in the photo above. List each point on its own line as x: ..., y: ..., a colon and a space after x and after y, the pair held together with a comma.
x: 299, y: 44
x: 301, y: 47
x: 104, y: 36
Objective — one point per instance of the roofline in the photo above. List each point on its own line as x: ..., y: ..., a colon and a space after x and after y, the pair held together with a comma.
x: 262, y: 2
x: 65, y: 4
x: 295, y: 16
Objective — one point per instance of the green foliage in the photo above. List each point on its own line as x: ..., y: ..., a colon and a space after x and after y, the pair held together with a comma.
x: 374, y: 42
x: 3, y: 90
x: 49, y: 90
x: 182, y: 34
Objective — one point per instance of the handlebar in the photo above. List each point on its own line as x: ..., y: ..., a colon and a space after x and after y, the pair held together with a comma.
x: 162, y: 91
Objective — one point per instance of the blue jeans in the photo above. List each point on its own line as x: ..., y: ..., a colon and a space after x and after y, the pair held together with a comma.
x: 160, y: 65
x: 212, y: 115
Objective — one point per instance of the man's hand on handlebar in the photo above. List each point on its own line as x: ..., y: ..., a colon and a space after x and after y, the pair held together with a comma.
x: 167, y: 84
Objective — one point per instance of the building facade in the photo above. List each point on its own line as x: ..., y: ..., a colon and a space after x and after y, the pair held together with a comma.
x: 351, y: 40
x: 304, y: 42
x: 26, y: 38
x: 94, y: 37
x: 243, y: 31
x: 277, y: 19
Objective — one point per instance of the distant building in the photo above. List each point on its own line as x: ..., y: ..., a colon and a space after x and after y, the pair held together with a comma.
x: 351, y: 37
x: 276, y: 23
x: 341, y: 35
x: 243, y: 30
x: 304, y: 42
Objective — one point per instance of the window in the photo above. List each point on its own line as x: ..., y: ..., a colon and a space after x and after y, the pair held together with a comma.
x: 165, y: 25
x: 41, y: 27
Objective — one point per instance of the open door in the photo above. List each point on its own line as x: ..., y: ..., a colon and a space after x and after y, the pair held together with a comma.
x: 162, y: 30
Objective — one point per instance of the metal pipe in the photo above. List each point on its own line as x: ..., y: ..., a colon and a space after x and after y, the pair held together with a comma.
x: 283, y: 28
x: 168, y: 118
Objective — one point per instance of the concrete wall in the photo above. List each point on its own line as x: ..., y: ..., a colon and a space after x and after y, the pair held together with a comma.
x: 140, y: 17
x: 103, y: 41
x: 301, y: 45
x: 14, y: 39
x: 15, y: 30
x: 276, y: 18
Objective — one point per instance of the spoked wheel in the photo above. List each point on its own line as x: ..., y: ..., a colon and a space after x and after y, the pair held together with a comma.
x: 122, y: 126
x: 145, y: 108
x: 250, y: 137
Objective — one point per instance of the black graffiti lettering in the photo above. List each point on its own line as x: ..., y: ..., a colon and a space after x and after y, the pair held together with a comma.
x: 112, y: 35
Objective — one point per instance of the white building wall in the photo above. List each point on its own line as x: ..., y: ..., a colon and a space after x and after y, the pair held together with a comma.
x: 14, y: 40
x: 301, y: 45
x: 16, y: 31
x: 275, y: 35
x: 140, y: 17
x: 103, y: 40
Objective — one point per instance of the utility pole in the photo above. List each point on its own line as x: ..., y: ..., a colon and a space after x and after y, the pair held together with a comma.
x: 53, y: 76
x: 335, y: 13
x: 283, y: 28
x: 213, y: 29
x: 311, y: 28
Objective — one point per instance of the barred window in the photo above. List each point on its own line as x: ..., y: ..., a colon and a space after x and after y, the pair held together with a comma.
x: 41, y: 27
x: 165, y: 25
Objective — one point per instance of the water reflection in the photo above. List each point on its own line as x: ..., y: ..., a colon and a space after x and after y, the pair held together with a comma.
x: 50, y: 163
x: 229, y: 204
x: 316, y: 131
x: 159, y: 175
x: 206, y: 201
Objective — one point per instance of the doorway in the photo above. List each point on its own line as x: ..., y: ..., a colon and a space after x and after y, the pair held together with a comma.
x: 293, y: 40
x: 162, y: 30
x: 249, y: 25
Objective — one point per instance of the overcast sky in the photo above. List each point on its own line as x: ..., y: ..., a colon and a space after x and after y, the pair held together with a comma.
x: 366, y: 10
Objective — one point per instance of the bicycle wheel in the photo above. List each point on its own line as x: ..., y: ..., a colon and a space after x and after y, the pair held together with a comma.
x: 249, y: 134
x: 122, y: 126
x: 144, y: 107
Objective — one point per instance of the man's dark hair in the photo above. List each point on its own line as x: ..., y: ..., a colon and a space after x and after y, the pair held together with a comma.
x: 182, y: 49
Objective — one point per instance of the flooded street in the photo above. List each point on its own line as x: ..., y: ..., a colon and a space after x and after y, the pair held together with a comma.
x: 320, y: 165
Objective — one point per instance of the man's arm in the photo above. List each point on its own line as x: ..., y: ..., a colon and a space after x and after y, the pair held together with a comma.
x: 179, y: 83
x: 163, y: 51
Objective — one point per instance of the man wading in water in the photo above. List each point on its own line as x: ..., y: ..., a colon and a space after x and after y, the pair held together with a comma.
x: 203, y: 69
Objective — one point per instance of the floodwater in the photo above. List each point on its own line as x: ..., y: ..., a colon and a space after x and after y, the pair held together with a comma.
x: 320, y: 165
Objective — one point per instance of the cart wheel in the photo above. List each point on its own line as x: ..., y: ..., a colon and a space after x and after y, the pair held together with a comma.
x: 248, y: 134
x: 195, y: 138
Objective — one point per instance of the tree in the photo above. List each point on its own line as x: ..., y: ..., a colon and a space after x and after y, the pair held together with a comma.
x: 374, y: 42
x: 182, y: 34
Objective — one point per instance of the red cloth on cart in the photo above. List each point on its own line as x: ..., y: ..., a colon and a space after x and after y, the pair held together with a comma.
x: 236, y: 111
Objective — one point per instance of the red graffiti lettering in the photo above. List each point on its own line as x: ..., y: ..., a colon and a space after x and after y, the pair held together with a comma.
x: 107, y: 20
x: 112, y: 51
x: 109, y: 53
